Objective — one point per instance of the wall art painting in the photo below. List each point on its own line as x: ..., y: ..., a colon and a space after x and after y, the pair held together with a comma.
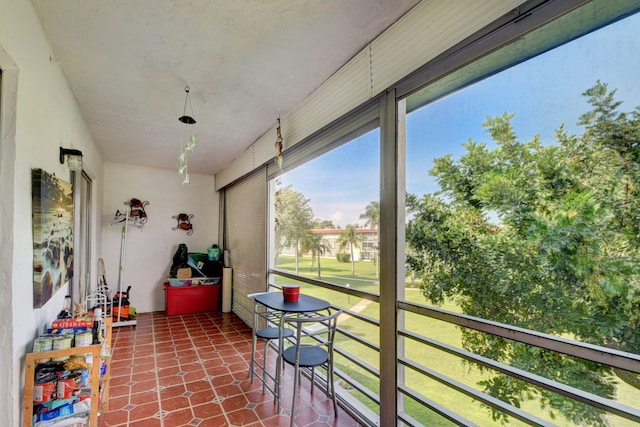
x: 52, y: 218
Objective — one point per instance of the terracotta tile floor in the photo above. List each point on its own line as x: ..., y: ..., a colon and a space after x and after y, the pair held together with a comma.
x: 192, y: 370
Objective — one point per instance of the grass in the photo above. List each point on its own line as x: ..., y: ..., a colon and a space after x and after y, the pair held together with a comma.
x: 330, y: 267
x: 444, y: 363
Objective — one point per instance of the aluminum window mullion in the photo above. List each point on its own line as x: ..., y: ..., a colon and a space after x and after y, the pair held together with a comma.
x: 616, y: 358
x: 435, y: 407
x: 475, y: 394
x: 391, y: 273
x: 537, y: 380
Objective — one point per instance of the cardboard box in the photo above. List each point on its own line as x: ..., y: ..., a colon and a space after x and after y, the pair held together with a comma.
x: 80, y: 322
x: 191, y: 299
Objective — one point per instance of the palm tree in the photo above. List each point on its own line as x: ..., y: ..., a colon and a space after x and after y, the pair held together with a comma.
x: 371, y: 215
x: 349, y: 236
x: 307, y: 244
x: 317, y: 245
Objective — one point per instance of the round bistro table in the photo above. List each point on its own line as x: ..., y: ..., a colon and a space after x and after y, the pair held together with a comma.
x: 305, y: 304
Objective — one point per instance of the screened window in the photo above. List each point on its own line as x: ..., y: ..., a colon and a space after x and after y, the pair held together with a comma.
x: 324, y: 235
x: 327, y: 209
x: 522, y: 208
x: 509, y: 188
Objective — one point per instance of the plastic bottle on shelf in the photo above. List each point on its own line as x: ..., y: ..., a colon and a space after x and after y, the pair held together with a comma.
x: 96, y: 329
x: 105, y: 356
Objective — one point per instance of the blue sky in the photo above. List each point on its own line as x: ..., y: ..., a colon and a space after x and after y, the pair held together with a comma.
x: 341, y: 183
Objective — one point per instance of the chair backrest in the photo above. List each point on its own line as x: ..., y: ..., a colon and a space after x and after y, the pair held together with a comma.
x: 255, y: 294
x: 262, y: 315
x: 314, y: 330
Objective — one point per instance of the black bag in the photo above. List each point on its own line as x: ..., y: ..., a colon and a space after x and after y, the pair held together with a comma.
x: 180, y: 260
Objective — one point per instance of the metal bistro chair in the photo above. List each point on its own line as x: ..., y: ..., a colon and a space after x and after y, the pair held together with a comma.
x: 314, y: 338
x: 264, y: 320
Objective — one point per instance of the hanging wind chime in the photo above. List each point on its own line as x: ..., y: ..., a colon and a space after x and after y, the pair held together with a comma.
x: 191, y: 143
x: 279, y: 145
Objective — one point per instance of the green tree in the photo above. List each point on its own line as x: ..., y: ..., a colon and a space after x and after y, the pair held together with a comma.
x: 293, y: 219
x: 371, y: 216
x: 541, y: 237
x: 350, y: 237
x: 318, y: 246
x: 325, y: 223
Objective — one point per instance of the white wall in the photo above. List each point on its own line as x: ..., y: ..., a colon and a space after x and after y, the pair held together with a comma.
x: 150, y: 249
x: 39, y: 114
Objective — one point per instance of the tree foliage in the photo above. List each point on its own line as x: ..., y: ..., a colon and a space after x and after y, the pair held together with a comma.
x: 350, y: 237
x: 371, y: 215
x: 544, y: 237
x: 317, y: 245
x: 293, y: 219
x: 325, y: 223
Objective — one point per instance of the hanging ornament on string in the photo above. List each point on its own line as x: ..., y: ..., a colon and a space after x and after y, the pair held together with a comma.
x: 182, y: 166
x: 192, y: 141
x: 185, y: 118
x: 279, y: 145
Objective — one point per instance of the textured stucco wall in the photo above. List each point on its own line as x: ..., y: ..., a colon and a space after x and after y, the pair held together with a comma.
x: 39, y: 115
x: 150, y: 249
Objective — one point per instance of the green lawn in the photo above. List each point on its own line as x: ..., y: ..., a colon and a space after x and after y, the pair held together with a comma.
x: 340, y: 273
x: 330, y: 267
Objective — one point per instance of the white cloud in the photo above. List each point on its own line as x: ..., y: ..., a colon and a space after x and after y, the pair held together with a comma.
x: 336, y: 217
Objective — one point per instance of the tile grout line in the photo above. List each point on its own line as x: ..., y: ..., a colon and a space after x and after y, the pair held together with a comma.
x: 217, y: 398
x: 203, y: 335
x: 155, y: 364
x: 113, y: 348
x: 245, y: 393
x: 188, y: 334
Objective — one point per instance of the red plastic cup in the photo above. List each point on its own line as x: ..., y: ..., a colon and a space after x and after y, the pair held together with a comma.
x: 291, y: 292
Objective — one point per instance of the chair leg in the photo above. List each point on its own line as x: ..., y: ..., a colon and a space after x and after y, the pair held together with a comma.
x: 264, y: 365
x: 253, y: 356
x: 296, y: 380
x: 276, y: 395
x: 313, y: 378
x: 331, y: 388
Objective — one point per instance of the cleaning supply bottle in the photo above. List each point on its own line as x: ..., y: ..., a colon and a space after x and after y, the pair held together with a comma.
x: 213, y: 253
x: 96, y: 329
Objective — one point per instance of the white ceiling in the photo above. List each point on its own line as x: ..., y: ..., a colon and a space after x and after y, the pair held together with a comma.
x: 245, y: 61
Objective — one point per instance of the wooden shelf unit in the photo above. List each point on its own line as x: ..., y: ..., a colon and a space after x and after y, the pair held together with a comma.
x: 94, y: 375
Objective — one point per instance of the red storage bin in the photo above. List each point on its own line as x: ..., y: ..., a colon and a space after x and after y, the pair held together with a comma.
x: 190, y: 299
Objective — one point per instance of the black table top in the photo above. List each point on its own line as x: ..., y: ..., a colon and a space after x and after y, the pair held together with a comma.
x: 305, y: 303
